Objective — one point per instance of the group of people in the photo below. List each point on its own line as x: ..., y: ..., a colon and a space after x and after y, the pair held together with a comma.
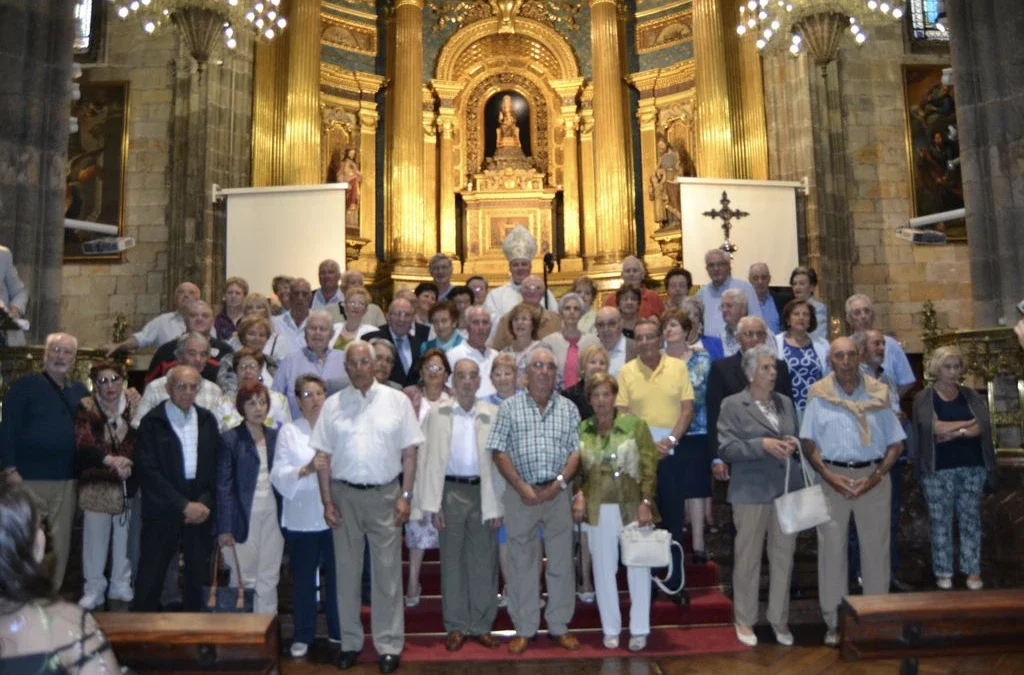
x: 488, y: 424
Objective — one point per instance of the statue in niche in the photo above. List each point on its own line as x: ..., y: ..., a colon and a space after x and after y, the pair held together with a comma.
x: 508, y: 130
x: 510, y: 147
x: 662, y: 190
x: 344, y: 168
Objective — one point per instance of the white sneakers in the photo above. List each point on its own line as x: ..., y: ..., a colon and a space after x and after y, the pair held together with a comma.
x: 611, y: 641
x: 90, y: 601
x: 944, y: 583
x: 299, y: 650
x: 975, y: 583
x: 637, y: 643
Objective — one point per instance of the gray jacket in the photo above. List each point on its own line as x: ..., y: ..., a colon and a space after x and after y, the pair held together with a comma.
x: 921, y: 444
x: 757, y: 477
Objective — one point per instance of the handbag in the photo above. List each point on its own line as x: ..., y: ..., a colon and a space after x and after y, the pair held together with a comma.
x: 646, y: 546
x: 802, y: 509
x: 221, y: 600
x: 103, y: 496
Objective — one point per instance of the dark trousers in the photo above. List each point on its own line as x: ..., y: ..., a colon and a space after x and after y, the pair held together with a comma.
x: 671, y: 505
x: 161, y: 538
x: 307, y: 551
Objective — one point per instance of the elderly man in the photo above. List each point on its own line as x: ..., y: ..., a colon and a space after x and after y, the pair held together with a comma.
x: 37, y: 440
x: 374, y: 315
x: 399, y: 332
x: 316, y: 358
x: 199, y: 319
x: 329, y: 295
x: 475, y: 349
x: 176, y: 456
x: 550, y: 322
x: 291, y: 326
x: 860, y: 314
x: 633, y: 274
x: 719, y: 267
x: 768, y: 304
x: 852, y: 438
x: 727, y: 378
x: 457, y: 484
x: 365, y: 439
x: 734, y: 307
x: 535, y: 445
x: 621, y: 349
x: 193, y: 350
x: 164, y: 327
x: 440, y: 268
x: 519, y: 248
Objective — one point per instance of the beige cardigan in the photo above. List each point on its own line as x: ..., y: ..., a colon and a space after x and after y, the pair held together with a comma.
x: 432, y: 461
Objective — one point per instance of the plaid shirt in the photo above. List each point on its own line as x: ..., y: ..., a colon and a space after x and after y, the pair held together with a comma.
x: 537, y: 443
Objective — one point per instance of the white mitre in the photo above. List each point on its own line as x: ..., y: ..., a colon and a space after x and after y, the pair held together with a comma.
x: 519, y: 244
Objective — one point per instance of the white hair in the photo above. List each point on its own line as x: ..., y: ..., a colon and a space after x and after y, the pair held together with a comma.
x: 320, y: 314
x: 540, y: 347
x: 54, y: 337
x: 737, y: 296
x: 478, y: 309
x: 752, y: 357
x: 716, y: 252
x: 748, y: 322
x: 848, y: 306
x: 566, y: 298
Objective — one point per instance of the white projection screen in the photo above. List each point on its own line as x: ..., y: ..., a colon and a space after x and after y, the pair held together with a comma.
x: 283, y: 230
x: 768, y: 234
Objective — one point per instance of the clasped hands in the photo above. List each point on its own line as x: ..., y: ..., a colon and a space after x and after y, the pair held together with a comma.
x: 122, y: 466
x: 851, y: 488
x: 532, y: 496
x: 780, y: 448
x: 579, y: 511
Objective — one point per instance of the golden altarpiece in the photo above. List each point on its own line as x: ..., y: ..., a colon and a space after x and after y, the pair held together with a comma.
x: 507, y: 129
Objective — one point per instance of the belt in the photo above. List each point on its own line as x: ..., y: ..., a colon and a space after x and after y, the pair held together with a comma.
x: 853, y: 465
x: 543, y: 483
x: 364, y: 486
x: 465, y: 480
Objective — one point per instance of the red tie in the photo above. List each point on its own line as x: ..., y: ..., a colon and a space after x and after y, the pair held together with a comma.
x: 572, y: 369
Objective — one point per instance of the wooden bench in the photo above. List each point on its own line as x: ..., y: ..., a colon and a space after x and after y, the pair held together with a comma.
x: 942, y: 623
x: 194, y: 643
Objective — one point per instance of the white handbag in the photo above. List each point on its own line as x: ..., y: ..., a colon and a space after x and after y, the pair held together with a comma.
x: 802, y: 509
x: 646, y: 546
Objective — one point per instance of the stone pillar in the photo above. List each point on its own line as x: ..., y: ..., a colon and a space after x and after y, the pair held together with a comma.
x: 447, y: 183
x: 567, y: 90
x: 408, y: 235
x: 302, y: 127
x: 714, y: 153
x: 587, y: 179
x: 989, y: 84
x: 615, y: 231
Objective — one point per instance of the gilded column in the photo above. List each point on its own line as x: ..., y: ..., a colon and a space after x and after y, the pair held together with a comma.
x: 446, y: 183
x: 430, y: 215
x: 754, y: 116
x: 567, y: 91
x: 279, y: 160
x: 615, y: 232
x: 647, y: 116
x: 587, y: 182
x: 714, y: 155
x: 302, y: 126
x: 406, y: 196
x: 264, y: 99
x: 368, y: 117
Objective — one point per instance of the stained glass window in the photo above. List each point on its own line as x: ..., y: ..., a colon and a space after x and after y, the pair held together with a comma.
x: 923, y: 15
x: 83, y: 26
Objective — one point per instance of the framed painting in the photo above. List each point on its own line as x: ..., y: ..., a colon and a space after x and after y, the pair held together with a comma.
x: 95, y: 173
x: 933, y: 148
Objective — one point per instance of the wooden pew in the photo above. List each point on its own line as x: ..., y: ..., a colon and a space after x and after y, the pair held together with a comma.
x: 194, y: 643
x: 941, y: 623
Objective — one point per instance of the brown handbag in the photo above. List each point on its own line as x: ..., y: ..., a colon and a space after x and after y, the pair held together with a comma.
x: 103, y: 497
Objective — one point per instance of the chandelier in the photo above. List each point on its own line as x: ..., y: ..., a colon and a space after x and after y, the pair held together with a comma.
x: 814, y: 25
x: 200, y: 22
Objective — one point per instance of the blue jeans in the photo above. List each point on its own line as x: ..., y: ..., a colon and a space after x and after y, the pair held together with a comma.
x: 307, y: 552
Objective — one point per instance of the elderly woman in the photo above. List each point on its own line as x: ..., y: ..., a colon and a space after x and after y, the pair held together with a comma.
x: 694, y: 308
x: 584, y: 287
x: 593, y: 359
x: 804, y: 281
x: 523, y: 322
x: 310, y: 543
x: 40, y: 634
x: 757, y: 436
x: 678, y: 283
x: 568, y: 343
x: 444, y: 319
x: 352, y: 328
x: 105, y: 442
x: 627, y: 299
x: 693, y: 454
x: 804, y: 354
x: 226, y: 323
x: 504, y: 377
x: 953, y: 457
x: 617, y: 480
x: 251, y: 366
x: 247, y: 509
x: 384, y: 355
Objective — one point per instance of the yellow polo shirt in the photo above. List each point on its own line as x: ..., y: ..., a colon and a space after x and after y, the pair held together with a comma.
x: 655, y: 395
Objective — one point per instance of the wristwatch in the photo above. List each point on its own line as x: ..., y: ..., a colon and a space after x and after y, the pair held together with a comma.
x: 963, y: 432
x: 672, y: 439
x: 561, y: 481
x: 407, y: 496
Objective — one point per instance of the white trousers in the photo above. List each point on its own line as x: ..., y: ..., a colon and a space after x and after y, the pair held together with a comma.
x: 259, y: 557
x: 100, y: 532
x: 604, y: 554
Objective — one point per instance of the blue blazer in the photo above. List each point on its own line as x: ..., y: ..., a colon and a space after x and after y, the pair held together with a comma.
x: 714, y: 346
x: 238, y: 466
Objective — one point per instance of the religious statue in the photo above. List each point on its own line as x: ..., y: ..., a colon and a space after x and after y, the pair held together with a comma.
x: 508, y: 130
x: 346, y: 170
x: 663, y: 191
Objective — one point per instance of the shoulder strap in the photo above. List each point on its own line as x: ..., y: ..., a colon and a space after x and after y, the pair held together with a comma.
x: 60, y: 394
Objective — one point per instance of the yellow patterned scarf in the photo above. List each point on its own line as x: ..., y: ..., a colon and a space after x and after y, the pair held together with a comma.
x: 878, y: 399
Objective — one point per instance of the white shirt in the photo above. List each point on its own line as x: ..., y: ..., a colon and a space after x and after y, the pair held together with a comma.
x: 484, y: 360
x: 502, y: 299
x: 164, y: 328
x: 209, y: 397
x: 463, y: 459
x: 712, y: 299
x: 186, y: 428
x: 301, y: 509
x: 284, y: 325
x: 616, y: 357
x: 365, y: 435
x: 279, y: 414
x: 319, y: 301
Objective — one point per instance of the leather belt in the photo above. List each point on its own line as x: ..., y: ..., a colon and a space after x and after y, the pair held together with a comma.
x: 365, y: 486
x: 543, y: 483
x: 465, y: 480
x: 853, y: 465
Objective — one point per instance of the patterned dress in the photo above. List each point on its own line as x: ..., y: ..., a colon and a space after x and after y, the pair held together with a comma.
x: 804, y: 370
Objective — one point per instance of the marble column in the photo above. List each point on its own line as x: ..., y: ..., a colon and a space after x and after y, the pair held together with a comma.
x: 302, y: 126
x: 714, y: 153
x: 615, y: 236
x: 989, y: 85
x: 408, y: 234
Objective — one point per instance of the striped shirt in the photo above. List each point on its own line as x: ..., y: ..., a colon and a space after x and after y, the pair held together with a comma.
x: 537, y: 443
x: 834, y: 429
x: 186, y: 428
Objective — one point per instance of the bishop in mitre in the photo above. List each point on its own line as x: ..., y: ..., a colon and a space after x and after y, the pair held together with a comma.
x: 519, y: 247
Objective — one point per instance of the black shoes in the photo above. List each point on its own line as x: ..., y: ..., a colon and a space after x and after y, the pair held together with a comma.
x: 389, y: 663
x: 347, y: 659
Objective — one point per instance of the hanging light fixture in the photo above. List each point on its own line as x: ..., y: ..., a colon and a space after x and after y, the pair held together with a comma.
x: 814, y: 26
x: 201, y: 22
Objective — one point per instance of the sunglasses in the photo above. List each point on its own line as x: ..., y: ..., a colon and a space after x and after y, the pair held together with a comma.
x: 113, y: 379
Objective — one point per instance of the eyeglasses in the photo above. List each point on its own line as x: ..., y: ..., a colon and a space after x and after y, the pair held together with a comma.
x: 249, y: 366
x: 434, y: 368
x: 312, y: 393
x: 544, y: 365
x: 754, y: 333
x: 113, y: 379
x: 186, y: 386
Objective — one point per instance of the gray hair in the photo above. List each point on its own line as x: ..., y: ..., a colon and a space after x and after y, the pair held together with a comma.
x: 320, y: 314
x: 939, y: 357
x: 748, y: 322
x: 716, y: 252
x: 54, y: 337
x: 439, y: 257
x: 848, y: 306
x: 737, y: 296
x: 374, y: 343
x: 752, y: 357
x: 478, y: 309
x: 694, y: 307
x: 197, y: 303
x: 566, y: 298
x: 539, y: 347
x: 191, y: 336
x: 333, y: 264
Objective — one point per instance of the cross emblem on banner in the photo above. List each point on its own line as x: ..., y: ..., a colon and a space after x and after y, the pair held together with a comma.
x: 727, y: 214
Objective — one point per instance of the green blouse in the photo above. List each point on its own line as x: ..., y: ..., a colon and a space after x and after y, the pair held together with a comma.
x: 618, y: 468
